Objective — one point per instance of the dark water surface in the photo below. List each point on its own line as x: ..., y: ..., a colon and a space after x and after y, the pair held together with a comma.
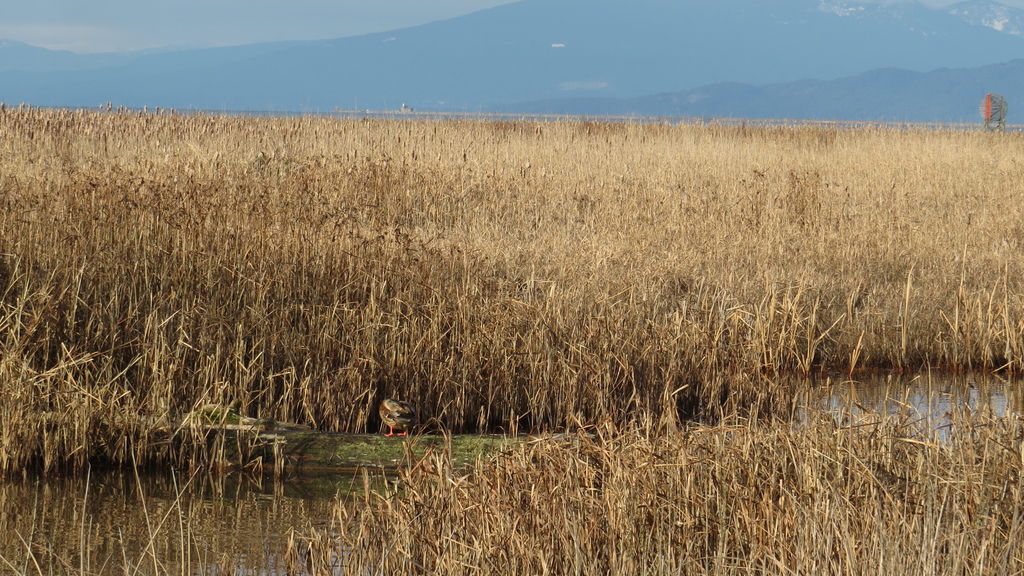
x: 114, y: 523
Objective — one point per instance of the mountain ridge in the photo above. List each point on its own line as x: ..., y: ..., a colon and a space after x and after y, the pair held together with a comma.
x: 887, y: 94
x: 532, y: 51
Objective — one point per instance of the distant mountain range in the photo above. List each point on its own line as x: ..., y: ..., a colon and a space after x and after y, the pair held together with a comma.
x: 944, y: 95
x: 739, y: 58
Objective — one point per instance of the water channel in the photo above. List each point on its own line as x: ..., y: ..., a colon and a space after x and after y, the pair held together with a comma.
x: 171, y: 523
x: 120, y: 523
x: 927, y: 404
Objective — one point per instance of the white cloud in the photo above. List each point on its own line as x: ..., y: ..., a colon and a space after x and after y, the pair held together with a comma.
x: 57, y: 36
x: 106, y: 25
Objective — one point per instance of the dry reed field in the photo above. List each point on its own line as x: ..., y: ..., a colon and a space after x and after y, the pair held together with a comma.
x: 507, y: 276
x: 866, y: 498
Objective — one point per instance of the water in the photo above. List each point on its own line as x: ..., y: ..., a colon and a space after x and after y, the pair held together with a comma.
x: 929, y: 404
x: 162, y: 524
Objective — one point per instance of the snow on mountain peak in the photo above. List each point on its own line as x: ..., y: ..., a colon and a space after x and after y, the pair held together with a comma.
x: 839, y: 8
x: 989, y: 14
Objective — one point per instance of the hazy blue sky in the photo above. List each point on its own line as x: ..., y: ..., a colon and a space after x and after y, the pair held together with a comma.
x: 106, y: 25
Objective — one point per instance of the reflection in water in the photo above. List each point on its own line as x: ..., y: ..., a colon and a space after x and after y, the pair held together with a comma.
x: 930, y: 403
x: 114, y: 524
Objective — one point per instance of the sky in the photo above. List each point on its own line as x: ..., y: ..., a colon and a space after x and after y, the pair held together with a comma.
x: 115, y: 25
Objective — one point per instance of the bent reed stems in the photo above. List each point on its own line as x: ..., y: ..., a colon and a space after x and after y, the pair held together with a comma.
x: 501, y: 275
x: 868, y: 497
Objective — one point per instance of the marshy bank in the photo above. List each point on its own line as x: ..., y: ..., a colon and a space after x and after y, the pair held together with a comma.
x: 885, y: 475
x: 894, y: 476
x: 616, y: 282
x: 734, y: 498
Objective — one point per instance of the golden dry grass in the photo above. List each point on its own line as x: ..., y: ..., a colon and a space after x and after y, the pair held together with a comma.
x: 871, y: 498
x: 501, y: 275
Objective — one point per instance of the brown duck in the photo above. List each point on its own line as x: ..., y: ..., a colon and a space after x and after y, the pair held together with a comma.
x: 397, y: 415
